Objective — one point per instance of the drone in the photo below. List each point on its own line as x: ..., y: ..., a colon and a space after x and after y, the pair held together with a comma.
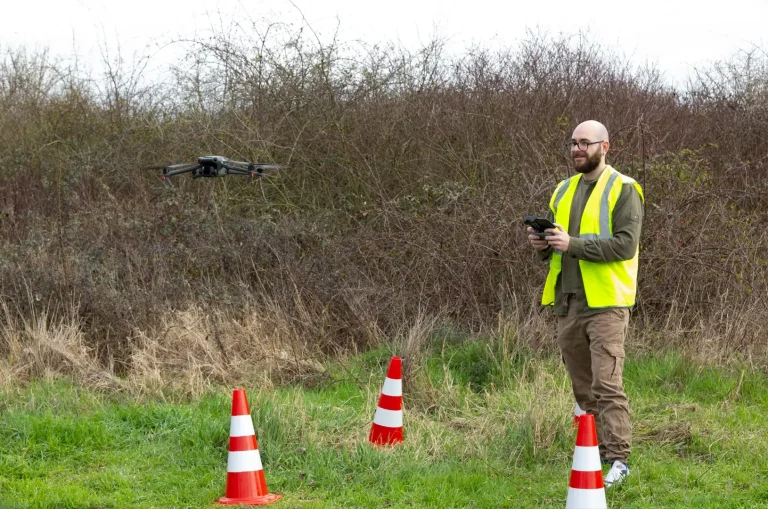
x: 217, y: 166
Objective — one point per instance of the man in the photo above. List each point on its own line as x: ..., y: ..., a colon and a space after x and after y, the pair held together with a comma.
x: 592, y: 280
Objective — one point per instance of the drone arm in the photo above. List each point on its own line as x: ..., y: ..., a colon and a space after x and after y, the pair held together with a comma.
x: 252, y: 170
x: 168, y: 173
x: 240, y: 171
x: 180, y: 171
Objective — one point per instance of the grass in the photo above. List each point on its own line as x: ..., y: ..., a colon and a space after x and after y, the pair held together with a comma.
x: 479, y: 433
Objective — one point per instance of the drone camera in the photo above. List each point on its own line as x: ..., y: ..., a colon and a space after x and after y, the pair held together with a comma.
x: 211, y: 161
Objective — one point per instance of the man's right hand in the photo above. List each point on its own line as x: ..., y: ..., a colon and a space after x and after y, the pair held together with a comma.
x: 538, y: 243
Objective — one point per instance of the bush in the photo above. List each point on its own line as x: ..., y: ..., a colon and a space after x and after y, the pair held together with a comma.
x: 408, y: 174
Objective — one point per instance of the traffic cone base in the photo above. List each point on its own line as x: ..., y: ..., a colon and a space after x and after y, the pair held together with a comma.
x: 245, y: 475
x: 387, y: 426
x: 585, y: 499
x: 266, y: 499
x: 384, y: 435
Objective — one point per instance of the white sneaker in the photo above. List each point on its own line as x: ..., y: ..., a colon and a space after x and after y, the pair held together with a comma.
x: 616, y: 474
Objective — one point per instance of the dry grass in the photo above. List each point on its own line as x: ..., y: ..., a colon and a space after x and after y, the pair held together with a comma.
x: 194, y: 349
x: 532, y: 411
x: 191, y: 352
x: 47, y: 345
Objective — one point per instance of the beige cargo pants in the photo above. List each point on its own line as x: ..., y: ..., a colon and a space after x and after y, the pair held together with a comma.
x: 593, y: 351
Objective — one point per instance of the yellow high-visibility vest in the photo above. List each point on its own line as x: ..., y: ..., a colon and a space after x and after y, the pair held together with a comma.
x: 606, y: 284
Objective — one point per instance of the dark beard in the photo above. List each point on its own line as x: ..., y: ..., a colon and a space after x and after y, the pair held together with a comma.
x: 590, y: 164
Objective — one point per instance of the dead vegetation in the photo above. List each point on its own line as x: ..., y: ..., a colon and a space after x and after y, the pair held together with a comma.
x: 399, y: 211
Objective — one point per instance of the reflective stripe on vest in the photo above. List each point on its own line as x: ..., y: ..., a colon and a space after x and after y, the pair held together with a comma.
x: 606, y: 284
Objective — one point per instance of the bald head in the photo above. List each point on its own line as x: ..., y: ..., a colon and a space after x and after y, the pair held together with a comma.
x: 591, y: 130
x: 588, y: 148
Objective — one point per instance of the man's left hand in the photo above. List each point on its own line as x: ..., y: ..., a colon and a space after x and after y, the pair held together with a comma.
x: 558, y: 239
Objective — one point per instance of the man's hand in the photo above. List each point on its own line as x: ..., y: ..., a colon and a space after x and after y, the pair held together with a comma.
x: 558, y: 239
x: 538, y: 243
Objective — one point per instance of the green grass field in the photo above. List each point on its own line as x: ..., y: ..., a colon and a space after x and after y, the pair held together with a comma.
x: 479, y: 433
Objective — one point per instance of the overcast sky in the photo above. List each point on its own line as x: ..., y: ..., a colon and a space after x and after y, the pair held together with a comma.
x: 674, y: 35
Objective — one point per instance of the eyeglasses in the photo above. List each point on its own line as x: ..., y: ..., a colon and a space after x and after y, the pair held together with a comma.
x: 583, y: 145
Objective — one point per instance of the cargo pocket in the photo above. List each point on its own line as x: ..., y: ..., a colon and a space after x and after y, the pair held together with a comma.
x: 616, y: 350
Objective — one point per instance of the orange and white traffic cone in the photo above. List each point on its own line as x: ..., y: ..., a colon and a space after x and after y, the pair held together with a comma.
x: 245, y: 476
x: 387, y: 426
x: 586, y: 489
x: 577, y: 412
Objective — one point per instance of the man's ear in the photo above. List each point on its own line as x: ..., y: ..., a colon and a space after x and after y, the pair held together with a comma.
x: 606, y: 146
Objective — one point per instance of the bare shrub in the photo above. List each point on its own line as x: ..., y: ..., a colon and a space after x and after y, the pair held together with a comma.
x: 409, y: 172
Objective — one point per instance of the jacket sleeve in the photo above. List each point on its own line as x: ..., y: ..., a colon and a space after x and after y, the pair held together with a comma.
x: 627, y: 224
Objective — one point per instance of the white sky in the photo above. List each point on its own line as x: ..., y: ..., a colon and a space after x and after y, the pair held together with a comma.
x: 675, y: 35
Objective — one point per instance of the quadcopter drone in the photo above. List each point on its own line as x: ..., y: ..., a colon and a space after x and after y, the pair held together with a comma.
x: 216, y: 166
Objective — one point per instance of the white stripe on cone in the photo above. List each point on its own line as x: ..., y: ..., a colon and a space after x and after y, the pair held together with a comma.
x: 586, y: 459
x: 392, y: 387
x: 388, y: 418
x: 241, y: 426
x: 244, y: 461
x: 585, y: 499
